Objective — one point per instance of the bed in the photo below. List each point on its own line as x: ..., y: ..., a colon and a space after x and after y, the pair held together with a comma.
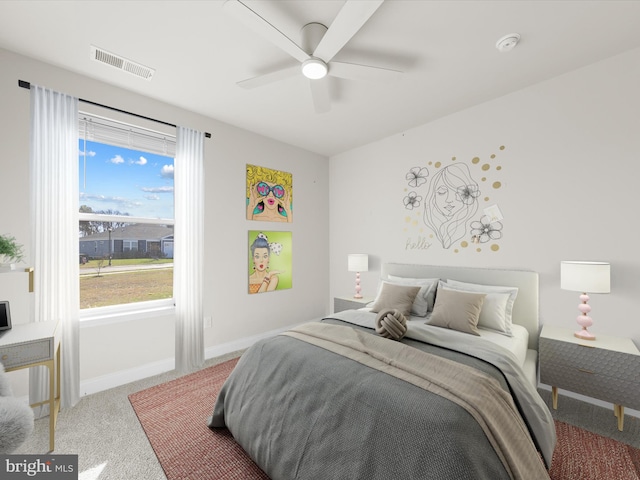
x: 342, y: 398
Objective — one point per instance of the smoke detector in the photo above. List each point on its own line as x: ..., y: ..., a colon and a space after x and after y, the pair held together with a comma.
x: 506, y: 43
x: 121, y: 63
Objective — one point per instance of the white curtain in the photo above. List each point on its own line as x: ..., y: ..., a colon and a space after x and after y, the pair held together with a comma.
x: 54, y: 214
x: 189, y: 249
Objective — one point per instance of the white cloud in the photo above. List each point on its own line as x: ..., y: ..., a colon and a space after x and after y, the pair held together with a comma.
x: 152, y: 197
x: 119, y: 202
x: 117, y: 159
x: 141, y: 161
x: 89, y: 153
x: 167, y: 171
x: 157, y: 189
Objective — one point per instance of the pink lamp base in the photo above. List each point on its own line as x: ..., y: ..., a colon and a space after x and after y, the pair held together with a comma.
x: 358, y: 289
x: 584, y: 334
x: 584, y: 320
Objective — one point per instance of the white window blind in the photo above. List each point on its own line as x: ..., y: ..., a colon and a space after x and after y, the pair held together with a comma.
x: 99, y: 129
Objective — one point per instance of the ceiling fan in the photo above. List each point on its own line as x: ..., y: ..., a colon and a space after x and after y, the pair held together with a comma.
x: 316, y: 50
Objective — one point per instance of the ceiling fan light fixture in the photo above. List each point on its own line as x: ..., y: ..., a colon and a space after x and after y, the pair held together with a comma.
x: 314, y: 68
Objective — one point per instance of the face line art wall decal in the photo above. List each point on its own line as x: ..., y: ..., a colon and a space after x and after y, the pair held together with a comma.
x: 450, y: 197
x: 450, y: 202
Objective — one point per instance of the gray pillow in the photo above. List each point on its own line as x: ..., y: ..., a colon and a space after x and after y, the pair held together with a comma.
x: 399, y: 297
x: 457, y: 311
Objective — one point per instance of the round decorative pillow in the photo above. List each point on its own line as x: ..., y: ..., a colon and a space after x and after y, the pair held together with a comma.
x: 391, y: 323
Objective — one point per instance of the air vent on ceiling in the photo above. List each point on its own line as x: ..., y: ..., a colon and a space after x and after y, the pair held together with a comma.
x: 100, y: 55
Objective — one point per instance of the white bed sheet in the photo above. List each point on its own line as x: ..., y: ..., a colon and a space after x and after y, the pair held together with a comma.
x: 517, y: 344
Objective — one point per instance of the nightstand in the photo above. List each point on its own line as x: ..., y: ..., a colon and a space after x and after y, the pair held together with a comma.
x: 607, y: 368
x: 349, y: 303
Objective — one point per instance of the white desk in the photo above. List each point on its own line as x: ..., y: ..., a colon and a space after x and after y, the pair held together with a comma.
x: 30, y: 345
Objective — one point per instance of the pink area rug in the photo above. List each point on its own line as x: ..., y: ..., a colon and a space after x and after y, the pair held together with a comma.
x: 583, y: 455
x: 173, y: 416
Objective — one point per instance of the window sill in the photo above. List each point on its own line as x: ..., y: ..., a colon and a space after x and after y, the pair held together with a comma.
x: 125, y: 313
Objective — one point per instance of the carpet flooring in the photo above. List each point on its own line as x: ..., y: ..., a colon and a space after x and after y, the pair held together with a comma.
x: 173, y: 416
x: 104, y: 431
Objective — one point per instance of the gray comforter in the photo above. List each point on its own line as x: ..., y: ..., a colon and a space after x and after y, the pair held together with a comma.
x: 303, y: 412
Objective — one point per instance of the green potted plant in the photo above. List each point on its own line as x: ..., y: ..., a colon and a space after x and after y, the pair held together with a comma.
x: 10, y: 252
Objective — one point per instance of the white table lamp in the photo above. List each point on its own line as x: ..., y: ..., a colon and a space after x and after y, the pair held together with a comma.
x: 592, y: 277
x: 358, y: 262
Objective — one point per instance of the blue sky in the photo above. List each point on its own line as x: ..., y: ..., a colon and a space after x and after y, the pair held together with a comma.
x: 129, y: 181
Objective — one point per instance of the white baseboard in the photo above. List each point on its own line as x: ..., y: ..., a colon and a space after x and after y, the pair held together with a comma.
x: 116, y: 379
x: 112, y: 380
x: 592, y: 401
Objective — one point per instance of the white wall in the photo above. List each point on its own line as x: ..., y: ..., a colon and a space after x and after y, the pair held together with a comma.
x: 110, y: 350
x: 569, y: 175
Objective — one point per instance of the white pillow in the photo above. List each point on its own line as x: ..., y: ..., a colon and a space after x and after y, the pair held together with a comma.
x: 497, y: 308
x: 425, y: 299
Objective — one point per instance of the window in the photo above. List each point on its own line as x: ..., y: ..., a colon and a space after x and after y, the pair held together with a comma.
x: 130, y: 246
x: 126, y: 214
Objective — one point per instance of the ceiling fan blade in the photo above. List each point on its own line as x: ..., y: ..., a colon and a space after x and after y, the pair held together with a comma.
x: 353, y: 71
x: 350, y: 19
x: 320, y: 95
x: 262, y: 27
x: 271, y: 77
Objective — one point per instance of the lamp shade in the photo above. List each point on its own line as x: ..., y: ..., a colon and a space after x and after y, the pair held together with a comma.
x: 586, y: 277
x: 358, y: 262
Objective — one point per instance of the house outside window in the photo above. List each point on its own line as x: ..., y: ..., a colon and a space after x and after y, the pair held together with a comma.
x: 126, y: 207
x: 130, y: 245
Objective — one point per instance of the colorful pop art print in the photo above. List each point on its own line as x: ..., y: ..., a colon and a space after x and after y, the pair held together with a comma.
x: 269, y: 194
x: 270, y: 261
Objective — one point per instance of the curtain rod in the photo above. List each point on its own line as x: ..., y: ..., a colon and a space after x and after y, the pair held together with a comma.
x: 27, y: 85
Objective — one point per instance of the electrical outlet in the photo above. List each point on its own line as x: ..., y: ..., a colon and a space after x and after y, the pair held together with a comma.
x: 207, y: 322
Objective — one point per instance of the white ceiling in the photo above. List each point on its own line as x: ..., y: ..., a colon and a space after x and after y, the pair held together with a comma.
x: 446, y: 50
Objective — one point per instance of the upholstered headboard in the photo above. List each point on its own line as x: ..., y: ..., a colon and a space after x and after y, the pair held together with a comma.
x: 525, y: 308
